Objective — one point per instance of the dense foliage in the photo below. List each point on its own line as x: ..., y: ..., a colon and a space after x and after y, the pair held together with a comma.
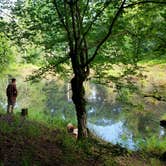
x: 81, y: 34
x: 5, y: 52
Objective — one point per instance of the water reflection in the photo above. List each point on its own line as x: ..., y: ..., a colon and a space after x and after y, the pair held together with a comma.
x: 114, y: 133
x: 162, y: 132
x: 124, y: 124
x: 104, y: 122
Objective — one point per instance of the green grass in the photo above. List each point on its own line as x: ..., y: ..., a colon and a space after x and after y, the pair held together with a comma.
x: 153, y: 60
x: 153, y: 146
x: 17, y: 124
x: 164, y: 117
x: 41, y: 129
x: 48, y: 120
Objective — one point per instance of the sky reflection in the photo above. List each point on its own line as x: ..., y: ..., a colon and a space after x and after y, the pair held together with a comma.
x: 114, y: 133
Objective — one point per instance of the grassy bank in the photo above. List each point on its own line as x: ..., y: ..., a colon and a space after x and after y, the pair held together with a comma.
x: 45, y: 141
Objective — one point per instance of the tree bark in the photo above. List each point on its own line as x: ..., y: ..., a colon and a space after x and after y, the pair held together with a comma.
x: 80, y: 103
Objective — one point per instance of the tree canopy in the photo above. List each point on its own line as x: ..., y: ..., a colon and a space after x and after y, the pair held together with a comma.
x: 5, y: 52
x: 76, y: 35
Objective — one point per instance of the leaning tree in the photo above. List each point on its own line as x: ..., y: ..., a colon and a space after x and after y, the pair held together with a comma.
x: 72, y: 31
x: 80, y: 19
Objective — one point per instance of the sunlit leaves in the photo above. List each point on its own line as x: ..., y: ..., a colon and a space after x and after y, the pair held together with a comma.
x: 137, y: 34
x: 5, y: 52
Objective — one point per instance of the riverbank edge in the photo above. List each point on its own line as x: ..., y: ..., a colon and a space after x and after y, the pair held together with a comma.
x: 27, y: 142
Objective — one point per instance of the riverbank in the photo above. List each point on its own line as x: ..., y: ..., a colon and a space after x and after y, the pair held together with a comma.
x: 24, y: 142
x: 43, y: 140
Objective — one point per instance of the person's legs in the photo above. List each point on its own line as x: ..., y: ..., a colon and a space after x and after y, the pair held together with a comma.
x: 13, y: 102
x: 10, y: 106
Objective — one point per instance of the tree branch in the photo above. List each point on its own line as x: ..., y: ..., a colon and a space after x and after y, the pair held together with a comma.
x: 106, y: 4
x: 65, y: 25
x: 73, y: 25
x: 59, y: 15
x: 78, y: 20
x: 85, y: 9
x: 95, y: 18
x: 108, y: 34
x: 42, y: 70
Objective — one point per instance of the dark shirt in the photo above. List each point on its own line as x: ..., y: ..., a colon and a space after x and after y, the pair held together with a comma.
x: 11, y: 91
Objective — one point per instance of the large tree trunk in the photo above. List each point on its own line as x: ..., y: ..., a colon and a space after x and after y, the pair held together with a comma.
x: 80, y: 103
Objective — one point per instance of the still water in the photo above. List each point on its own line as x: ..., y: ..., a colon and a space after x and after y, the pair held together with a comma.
x: 124, y: 124
x: 117, y: 122
x: 112, y: 120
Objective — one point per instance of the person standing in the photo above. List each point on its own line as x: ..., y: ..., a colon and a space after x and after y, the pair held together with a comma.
x: 11, y: 92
